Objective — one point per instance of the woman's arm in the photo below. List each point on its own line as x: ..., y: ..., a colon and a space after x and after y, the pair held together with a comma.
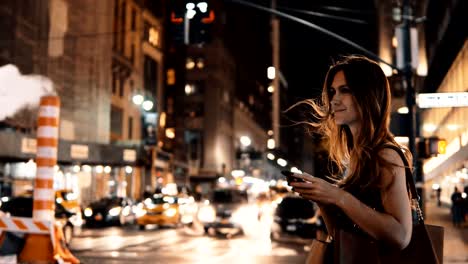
x: 394, y: 226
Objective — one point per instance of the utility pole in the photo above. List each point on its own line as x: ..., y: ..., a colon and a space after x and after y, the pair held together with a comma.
x: 275, y: 27
x: 407, y: 18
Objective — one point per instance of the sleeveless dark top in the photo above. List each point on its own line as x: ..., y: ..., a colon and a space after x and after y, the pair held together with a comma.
x: 370, y: 196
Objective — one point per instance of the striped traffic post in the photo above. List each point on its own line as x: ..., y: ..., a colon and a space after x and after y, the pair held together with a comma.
x: 46, y: 158
x: 40, y: 248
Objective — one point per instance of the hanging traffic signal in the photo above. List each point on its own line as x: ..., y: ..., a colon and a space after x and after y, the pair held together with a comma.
x: 431, y: 147
x: 437, y: 145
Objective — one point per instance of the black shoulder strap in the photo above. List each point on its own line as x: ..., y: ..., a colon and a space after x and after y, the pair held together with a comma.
x: 409, y: 181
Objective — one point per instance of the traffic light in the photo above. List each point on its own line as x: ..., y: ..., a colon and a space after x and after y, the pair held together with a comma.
x: 431, y: 147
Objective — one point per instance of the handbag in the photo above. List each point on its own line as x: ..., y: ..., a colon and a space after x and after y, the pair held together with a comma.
x: 426, y: 244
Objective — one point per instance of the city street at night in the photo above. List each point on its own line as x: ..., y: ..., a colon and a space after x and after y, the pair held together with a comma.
x: 233, y: 131
x: 181, y: 245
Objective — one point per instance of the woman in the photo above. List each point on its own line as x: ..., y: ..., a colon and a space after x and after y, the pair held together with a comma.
x: 368, y: 194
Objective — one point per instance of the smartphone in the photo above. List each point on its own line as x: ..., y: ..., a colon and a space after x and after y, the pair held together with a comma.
x: 290, y: 177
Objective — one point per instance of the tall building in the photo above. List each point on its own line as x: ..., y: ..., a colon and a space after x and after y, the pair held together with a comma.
x: 204, y: 84
x: 98, y: 55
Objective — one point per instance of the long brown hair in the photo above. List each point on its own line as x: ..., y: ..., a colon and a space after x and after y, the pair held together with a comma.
x: 358, y: 156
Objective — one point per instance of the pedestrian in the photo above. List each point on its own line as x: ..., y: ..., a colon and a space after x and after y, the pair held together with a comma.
x: 439, y: 191
x: 367, y: 194
x: 457, y: 207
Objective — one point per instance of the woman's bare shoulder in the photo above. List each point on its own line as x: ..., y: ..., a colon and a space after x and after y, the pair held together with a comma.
x: 391, y: 156
x: 393, y: 167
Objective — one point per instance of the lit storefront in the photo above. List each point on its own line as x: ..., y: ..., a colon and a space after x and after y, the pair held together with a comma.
x: 91, y: 171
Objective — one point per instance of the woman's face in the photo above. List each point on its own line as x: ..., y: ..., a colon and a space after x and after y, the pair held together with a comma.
x: 343, y: 103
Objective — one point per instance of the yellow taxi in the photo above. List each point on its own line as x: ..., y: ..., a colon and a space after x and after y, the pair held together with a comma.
x: 68, y: 199
x: 158, y: 209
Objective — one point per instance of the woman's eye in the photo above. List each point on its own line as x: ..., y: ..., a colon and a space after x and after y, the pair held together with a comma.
x: 345, y: 89
x: 331, y: 92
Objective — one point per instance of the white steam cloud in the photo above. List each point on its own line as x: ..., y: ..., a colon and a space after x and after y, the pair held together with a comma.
x: 18, y: 91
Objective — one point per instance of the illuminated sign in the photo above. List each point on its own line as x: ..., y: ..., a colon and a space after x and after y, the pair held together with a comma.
x: 28, y: 145
x: 79, y: 151
x: 129, y: 155
x: 432, y: 100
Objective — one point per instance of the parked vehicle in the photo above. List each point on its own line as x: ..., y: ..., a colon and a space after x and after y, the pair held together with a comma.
x: 295, y: 220
x: 110, y: 211
x: 226, y: 212
x: 22, y: 206
x: 158, y: 209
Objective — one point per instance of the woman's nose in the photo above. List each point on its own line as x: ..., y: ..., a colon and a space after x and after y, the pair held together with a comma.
x: 335, y: 100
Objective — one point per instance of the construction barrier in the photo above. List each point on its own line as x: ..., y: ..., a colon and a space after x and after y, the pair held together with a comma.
x: 44, y: 240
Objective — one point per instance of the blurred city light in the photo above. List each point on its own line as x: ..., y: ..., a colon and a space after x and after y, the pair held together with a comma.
x: 270, y: 89
x: 282, y: 162
x: 203, y: 6
x: 138, y: 99
x: 270, y: 156
x: 296, y: 170
x: 271, y: 143
x: 128, y: 169
x: 170, y: 133
x: 245, y: 141
x: 403, y: 110
x: 271, y: 73
x: 147, y: 105
x: 190, y: 6
x: 191, y: 13
x: 237, y: 173
x: 429, y: 128
x: 402, y: 140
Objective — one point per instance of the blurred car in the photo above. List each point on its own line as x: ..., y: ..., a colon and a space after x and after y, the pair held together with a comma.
x: 22, y: 206
x: 226, y: 212
x: 188, y: 208
x: 110, y: 211
x: 158, y: 209
x: 68, y: 199
x: 295, y: 220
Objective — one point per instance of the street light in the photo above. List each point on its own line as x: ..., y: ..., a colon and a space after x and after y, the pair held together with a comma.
x: 190, y: 14
x: 145, y: 103
x: 245, y: 141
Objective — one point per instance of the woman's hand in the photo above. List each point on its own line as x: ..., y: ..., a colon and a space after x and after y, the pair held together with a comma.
x: 317, y: 190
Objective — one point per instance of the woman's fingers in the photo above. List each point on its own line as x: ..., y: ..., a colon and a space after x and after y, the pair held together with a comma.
x: 304, y: 176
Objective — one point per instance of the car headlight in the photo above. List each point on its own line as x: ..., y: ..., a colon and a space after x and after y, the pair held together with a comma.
x: 170, y: 212
x: 207, y: 214
x: 88, y: 212
x: 126, y: 211
x: 244, y: 214
x: 115, y: 211
x: 139, y: 212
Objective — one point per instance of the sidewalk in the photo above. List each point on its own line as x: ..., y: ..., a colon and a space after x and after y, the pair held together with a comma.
x: 455, y: 239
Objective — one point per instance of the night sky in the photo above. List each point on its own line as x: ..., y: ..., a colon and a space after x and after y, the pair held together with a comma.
x: 306, y: 53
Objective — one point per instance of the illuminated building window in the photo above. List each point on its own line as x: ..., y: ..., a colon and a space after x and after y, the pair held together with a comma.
x: 153, y: 36
x: 190, y: 89
x: 170, y: 133
x: 200, y: 63
x: 189, y: 64
x: 170, y: 77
